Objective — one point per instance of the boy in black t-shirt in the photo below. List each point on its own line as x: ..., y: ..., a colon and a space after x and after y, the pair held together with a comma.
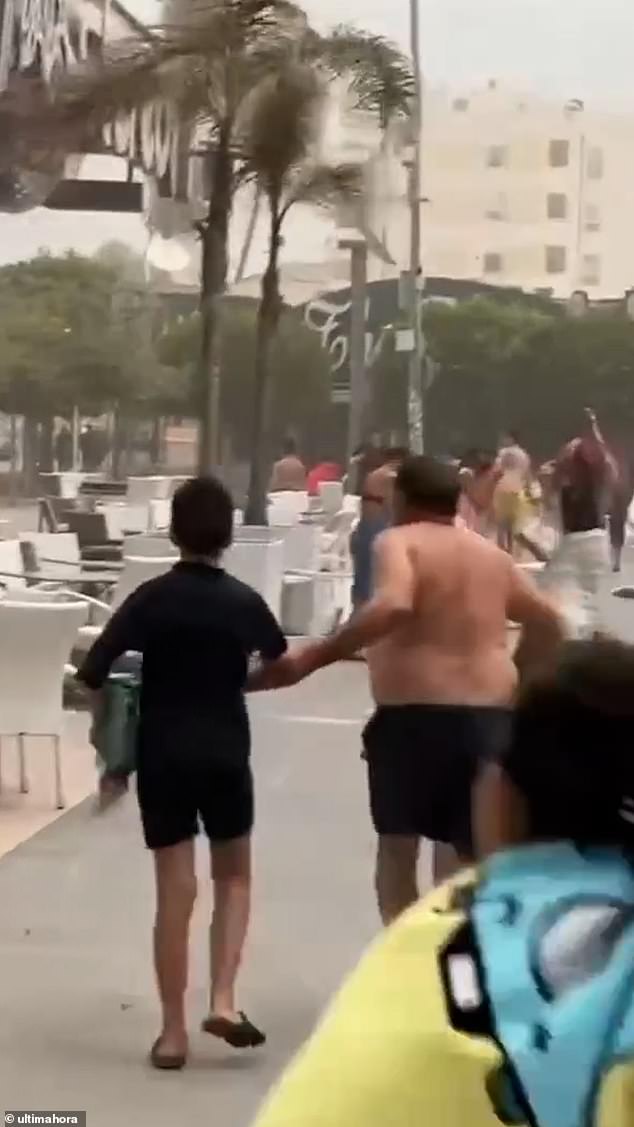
x: 196, y: 628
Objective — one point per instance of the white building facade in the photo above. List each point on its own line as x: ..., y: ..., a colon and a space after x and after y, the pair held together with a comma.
x: 525, y: 192
x: 517, y: 191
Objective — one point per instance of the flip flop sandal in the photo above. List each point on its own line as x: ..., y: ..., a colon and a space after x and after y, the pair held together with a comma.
x: 164, y: 1062
x: 239, y: 1034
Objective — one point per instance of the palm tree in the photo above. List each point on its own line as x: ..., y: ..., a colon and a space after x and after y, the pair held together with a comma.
x: 213, y: 64
x: 281, y: 150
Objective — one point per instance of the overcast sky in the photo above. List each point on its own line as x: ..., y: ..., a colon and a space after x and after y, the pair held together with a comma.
x: 563, y: 48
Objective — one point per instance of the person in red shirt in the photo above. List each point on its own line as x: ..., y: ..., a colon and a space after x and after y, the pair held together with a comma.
x: 324, y: 471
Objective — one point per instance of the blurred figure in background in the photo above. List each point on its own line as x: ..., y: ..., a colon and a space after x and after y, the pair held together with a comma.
x: 93, y: 445
x: 376, y: 517
x: 584, y: 479
x: 514, y: 475
x: 64, y: 448
x: 479, y: 475
x: 289, y: 472
x: 323, y: 472
x: 619, y: 504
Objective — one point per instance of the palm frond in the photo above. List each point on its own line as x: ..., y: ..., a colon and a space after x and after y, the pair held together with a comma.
x: 380, y: 75
x: 281, y: 124
x: 324, y: 185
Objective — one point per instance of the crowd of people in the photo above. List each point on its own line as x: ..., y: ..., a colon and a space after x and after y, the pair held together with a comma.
x: 413, y: 1039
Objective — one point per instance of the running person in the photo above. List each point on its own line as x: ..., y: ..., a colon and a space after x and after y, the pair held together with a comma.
x: 513, y: 467
x: 196, y: 628
x: 440, y: 669
x: 584, y: 480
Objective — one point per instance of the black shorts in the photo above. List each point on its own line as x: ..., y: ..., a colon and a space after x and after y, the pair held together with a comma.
x: 422, y: 762
x: 174, y: 803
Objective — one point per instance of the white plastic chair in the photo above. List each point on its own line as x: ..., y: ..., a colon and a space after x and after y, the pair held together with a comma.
x: 63, y: 547
x: 142, y: 490
x: 335, y: 542
x: 352, y: 504
x: 11, y: 561
x: 331, y: 496
x: 286, y: 507
x: 135, y: 571
x: 36, y: 639
x: 122, y: 519
x: 257, y: 558
x: 160, y: 510
x: 148, y: 546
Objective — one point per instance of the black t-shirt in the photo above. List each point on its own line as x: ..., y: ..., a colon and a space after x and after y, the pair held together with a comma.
x: 196, y: 628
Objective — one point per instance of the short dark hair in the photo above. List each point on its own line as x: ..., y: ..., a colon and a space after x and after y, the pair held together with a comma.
x: 202, y: 517
x: 429, y: 485
x: 290, y: 446
x: 570, y: 753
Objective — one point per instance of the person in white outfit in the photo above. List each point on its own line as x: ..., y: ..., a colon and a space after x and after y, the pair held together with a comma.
x: 585, y: 475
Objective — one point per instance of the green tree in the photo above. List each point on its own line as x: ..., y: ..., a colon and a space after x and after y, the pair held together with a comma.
x: 300, y: 380
x: 72, y: 334
x: 212, y: 65
x: 514, y: 365
x: 280, y: 137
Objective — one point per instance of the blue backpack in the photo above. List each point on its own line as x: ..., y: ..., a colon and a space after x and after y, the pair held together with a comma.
x: 553, y: 933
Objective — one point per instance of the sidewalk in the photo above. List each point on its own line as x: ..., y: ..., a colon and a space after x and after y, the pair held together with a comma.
x: 78, y: 1007
x: 22, y: 815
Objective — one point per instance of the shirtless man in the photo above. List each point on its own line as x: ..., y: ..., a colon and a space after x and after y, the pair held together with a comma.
x: 440, y: 670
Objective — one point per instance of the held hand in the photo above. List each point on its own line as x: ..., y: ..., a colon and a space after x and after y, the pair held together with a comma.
x: 289, y: 670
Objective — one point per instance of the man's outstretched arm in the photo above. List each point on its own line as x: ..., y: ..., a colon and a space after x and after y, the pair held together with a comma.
x: 391, y: 605
x: 543, y: 626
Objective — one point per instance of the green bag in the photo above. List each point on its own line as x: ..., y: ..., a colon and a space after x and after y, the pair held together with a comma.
x: 115, y: 726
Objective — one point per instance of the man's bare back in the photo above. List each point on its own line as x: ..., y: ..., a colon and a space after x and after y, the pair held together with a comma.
x: 453, y: 648
x: 441, y: 671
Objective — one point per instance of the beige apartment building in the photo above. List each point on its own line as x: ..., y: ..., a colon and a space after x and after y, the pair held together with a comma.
x: 527, y: 192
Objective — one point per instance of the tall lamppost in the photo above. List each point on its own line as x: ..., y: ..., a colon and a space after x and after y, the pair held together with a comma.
x: 413, y: 165
x: 351, y: 239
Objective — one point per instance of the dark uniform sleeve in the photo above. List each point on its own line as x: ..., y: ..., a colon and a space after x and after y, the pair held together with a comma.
x: 265, y: 635
x: 124, y: 631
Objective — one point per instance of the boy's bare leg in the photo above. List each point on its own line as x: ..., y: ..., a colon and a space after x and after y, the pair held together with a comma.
x: 396, y: 874
x: 445, y: 862
x: 175, y: 897
x: 231, y: 875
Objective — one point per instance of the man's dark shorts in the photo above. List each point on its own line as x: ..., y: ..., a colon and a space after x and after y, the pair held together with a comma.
x: 422, y: 763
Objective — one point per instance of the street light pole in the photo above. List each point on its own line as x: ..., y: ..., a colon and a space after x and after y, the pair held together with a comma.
x: 414, y: 383
x: 352, y: 240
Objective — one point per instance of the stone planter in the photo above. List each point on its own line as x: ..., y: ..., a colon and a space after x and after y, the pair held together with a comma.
x: 257, y: 558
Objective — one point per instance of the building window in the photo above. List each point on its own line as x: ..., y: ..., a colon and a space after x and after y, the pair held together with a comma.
x: 590, y: 270
x: 557, y: 205
x: 461, y: 105
x: 497, y: 156
x: 499, y: 209
x: 493, y: 263
x: 592, y: 217
x: 559, y: 154
x: 555, y: 260
x: 595, y: 163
